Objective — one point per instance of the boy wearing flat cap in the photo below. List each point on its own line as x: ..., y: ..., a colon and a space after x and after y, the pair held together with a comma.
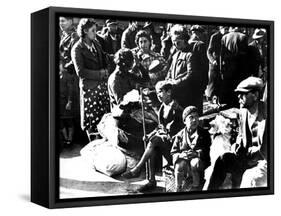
x: 190, y: 150
x: 247, y: 162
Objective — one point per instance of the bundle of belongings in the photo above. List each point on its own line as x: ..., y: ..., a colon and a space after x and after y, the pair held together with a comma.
x: 121, y: 145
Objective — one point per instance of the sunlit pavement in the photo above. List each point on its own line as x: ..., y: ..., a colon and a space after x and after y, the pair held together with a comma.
x: 78, y: 179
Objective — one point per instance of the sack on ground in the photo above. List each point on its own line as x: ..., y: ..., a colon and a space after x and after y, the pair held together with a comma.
x: 104, y: 157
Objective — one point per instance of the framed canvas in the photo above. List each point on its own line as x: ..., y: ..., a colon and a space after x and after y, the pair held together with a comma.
x: 138, y: 107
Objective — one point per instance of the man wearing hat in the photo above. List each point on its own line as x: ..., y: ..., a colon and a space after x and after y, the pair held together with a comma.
x: 257, y: 54
x: 112, y: 42
x: 249, y: 155
x: 190, y: 151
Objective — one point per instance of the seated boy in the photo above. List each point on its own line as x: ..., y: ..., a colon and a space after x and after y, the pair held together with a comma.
x: 159, y: 140
x: 190, y: 151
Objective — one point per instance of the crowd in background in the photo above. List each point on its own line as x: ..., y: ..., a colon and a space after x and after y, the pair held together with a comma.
x: 102, y: 60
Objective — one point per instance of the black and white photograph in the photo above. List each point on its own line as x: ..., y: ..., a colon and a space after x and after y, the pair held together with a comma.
x: 123, y: 107
x: 157, y: 106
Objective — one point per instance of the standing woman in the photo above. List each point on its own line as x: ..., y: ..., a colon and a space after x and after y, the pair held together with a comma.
x: 187, y: 79
x: 90, y: 66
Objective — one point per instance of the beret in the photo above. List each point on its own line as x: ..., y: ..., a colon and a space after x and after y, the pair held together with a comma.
x: 188, y: 110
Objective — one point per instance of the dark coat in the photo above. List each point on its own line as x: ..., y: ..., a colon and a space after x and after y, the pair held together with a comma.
x: 200, y: 61
x: 214, y: 48
x: 66, y: 43
x: 234, y: 68
x: 128, y: 38
x: 87, y: 63
x: 256, y: 59
x: 234, y: 54
x: 202, y: 146
x: 189, y: 85
x: 110, y: 46
x: 173, y: 122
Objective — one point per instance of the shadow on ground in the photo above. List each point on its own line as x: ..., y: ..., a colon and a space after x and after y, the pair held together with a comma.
x: 112, y: 188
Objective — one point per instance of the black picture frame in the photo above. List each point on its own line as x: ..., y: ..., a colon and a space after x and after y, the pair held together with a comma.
x: 44, y: 151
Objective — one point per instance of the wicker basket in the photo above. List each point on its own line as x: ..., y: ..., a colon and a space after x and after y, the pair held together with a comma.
x: 169, y: 178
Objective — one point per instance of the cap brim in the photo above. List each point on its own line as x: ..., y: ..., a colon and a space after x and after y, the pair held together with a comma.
x: 257, y: 36
x: 242, y: 90
x: 146, y: 26
x: 113, y: 23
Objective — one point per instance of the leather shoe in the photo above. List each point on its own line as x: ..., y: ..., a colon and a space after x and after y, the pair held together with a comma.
x: 129, y: 174
x: 148, y: 186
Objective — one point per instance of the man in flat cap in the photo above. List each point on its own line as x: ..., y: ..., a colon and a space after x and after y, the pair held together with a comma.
x: 190, y: 151
x: 258, y: 53
x: 111, y: 42
x: 247, y: 161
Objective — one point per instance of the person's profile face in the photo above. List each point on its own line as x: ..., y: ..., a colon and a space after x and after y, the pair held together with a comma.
x: 192, y: 121
x: 178, y: 42
x: 112, y: 28
x: 91, y: 32
x: 144, y: 44
x: 64, y: 23
x: 163, y: 95
x: 247, y: 99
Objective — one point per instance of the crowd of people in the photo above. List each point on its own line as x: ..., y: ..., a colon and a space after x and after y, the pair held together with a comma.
x: 179, y: 67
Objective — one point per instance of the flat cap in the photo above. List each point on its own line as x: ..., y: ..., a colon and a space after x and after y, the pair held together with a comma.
x: 198, y: 28
x: 259, y: 33
x: 250, y: 84
x: 188, y: 110
x: 111, y: 22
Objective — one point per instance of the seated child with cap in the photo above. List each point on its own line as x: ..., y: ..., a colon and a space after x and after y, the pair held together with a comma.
x: 190, y: 151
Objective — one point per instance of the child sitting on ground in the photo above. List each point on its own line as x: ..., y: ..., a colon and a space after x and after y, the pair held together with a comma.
x: 190, y: 151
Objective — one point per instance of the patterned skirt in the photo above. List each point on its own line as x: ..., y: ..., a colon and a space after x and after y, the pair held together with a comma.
x: 94, y: 104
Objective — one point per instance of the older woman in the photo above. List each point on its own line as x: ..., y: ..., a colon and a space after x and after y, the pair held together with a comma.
x: 152, y: 63
x: 90, y: 65
x: 187, y: 79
